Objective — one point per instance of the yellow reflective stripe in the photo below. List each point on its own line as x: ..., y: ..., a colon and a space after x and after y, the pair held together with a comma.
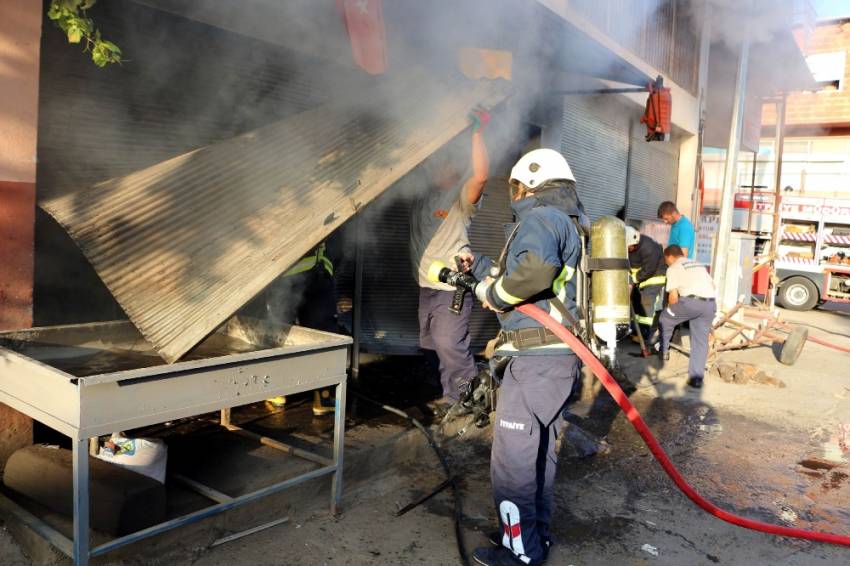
x: 307, y: 263
x: 505, y: 296
x: 654, y: 280
x: 634, y: 272
x: 645, y: 320
x: 561, y: 280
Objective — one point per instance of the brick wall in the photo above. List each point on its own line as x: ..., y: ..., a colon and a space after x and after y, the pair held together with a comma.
x: 829, y: 108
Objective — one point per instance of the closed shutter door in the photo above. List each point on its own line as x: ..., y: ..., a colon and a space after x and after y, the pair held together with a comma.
x: 390, y: 319
x: 653, y: 176
x: 595, y: 142
x: 487, y: 236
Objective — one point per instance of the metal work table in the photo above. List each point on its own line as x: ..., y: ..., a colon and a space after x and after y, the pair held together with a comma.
x: 93, y: 379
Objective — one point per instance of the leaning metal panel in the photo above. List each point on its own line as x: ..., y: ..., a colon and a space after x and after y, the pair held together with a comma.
x: 183, y: 244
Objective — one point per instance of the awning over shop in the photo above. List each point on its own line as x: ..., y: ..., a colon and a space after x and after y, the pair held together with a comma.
x: 183, y: 244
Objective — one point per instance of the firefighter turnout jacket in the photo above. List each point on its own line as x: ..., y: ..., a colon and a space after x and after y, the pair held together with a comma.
x: 538, y: 265
x: 647, y: 263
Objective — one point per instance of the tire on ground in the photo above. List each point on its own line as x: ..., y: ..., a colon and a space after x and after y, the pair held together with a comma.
x: 793, y: 346
x: 798, y: 294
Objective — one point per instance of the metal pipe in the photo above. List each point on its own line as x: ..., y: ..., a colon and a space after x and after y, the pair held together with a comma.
x: 702, y: 81
x: 207, y: 512
x: 591, y: 91
x: 278, y: 445
x: 752, y: 192
x: 251, y: 531
x: 629, y: 153
x: 357, y: 315
x: 779, y: 148
x: 339, y: 446
x: 36, y: 525
x: 728, y: 316
x: 198, y: 487
x: 80, y: 463
x: 724, y: 227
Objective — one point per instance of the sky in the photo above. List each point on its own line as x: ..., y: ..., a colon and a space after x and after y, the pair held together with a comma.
x: 831, y: 8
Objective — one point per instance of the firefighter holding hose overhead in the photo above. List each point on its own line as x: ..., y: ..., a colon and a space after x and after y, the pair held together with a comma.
x: 438, y: 232
x: 538, y: 265
x: 646, y: 258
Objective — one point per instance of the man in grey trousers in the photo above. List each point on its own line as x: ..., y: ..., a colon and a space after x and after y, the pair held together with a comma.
x: 438, y: 232
x: 690, y: 296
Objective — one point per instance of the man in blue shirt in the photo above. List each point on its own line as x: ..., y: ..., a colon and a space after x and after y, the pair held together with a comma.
x: 681, y: 230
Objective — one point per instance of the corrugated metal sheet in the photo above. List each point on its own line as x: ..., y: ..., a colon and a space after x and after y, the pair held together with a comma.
x: 487, y: 236
x: 184, y: 243
x: 595, y: 141
x: 390, y: 322
x: 653, y: 175
x: 190, y: 86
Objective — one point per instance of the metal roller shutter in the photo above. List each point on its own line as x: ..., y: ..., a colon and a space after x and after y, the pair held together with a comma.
x: 487, y: 236
x: 595, y: 142
x: 390, y: 321
x: 176, y: 93
x: 653, y: 176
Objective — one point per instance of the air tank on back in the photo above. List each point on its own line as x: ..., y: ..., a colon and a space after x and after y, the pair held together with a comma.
x: 609, y: 282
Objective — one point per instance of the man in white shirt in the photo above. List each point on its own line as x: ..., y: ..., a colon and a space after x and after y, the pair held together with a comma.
x: 690, y: 296
x: 438, y: 232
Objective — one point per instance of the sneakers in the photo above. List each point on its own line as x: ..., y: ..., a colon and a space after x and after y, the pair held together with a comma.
x: 499, y: 556
x: 323, y: 402
x: 695, y: 382
x: 278, y: 401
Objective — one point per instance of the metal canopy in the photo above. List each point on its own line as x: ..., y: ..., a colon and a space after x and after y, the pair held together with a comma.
x: 183, y: 244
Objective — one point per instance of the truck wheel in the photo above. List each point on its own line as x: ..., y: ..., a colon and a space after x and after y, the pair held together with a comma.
x: 793, y: 346
x: 798, y: 294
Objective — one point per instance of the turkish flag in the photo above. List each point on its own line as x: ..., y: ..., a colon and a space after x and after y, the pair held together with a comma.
x: 364, y: 21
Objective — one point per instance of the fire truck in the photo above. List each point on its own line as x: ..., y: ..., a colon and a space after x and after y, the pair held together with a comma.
x: 813, y: 259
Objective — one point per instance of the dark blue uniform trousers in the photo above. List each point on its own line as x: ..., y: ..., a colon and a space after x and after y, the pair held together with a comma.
x: 700, y: 315
x: 447, y: 334
x: 529, y: 419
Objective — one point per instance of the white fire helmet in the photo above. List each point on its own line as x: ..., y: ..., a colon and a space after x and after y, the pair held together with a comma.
x: 537, y: 167
x: 632, y: 236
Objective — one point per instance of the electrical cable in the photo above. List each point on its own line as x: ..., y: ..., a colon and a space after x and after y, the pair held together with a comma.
x: 601, y: 372
x: 458, y: 515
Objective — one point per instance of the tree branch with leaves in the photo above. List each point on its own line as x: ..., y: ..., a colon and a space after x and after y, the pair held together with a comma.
x: 71, y: 17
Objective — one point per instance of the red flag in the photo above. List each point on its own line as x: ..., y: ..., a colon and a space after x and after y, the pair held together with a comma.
x: 364, y: 21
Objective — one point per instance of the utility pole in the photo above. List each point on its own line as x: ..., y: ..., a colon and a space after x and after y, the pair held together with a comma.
x: 779, y: 148
x: 730, y: 180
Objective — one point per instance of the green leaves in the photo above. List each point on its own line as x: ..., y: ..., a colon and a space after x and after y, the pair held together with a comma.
x: 70, y: 16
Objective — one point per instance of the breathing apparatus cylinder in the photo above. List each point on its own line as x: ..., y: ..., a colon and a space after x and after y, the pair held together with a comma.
x: 609, y: 264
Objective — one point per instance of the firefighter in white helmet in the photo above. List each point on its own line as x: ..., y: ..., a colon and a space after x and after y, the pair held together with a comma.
x: 538, y: 266
x: 648, y: 271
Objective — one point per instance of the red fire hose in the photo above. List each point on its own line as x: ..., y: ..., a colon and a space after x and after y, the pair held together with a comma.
x: 829, y: 344
x: 640, y: 426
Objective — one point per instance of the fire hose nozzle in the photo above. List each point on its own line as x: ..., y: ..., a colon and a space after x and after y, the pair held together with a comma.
x: 462, y: 282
